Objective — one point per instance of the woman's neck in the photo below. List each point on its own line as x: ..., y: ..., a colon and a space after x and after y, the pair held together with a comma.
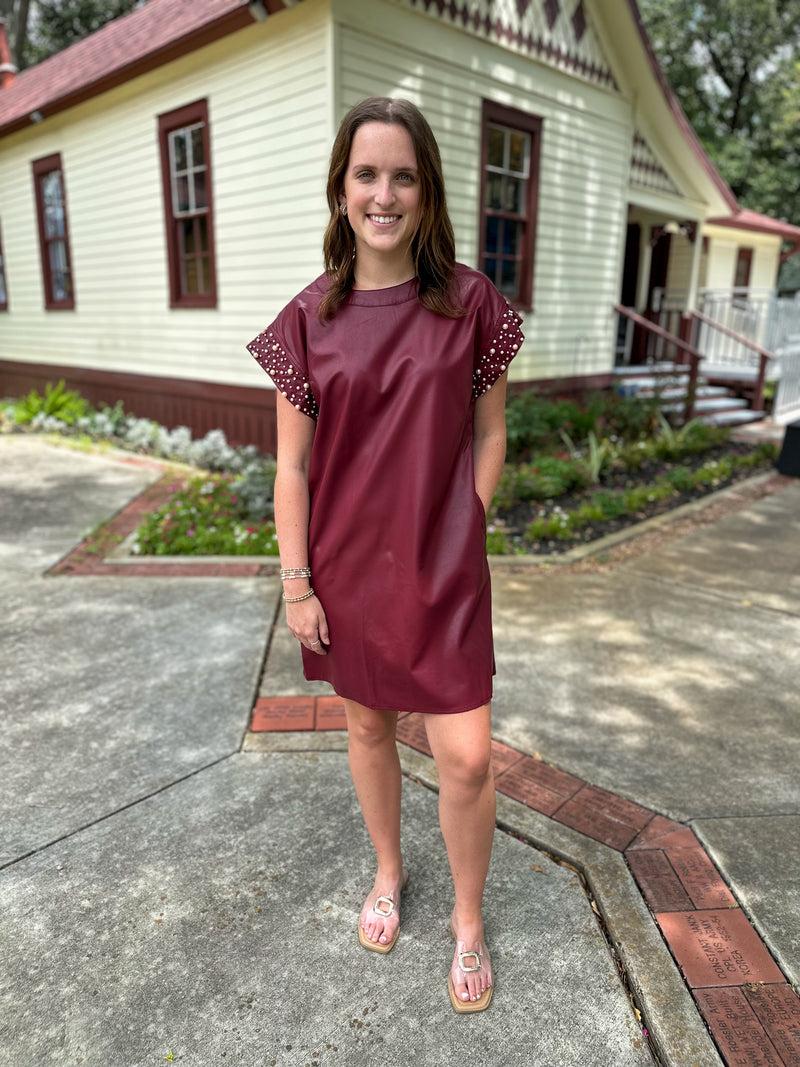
x: 373, y: 273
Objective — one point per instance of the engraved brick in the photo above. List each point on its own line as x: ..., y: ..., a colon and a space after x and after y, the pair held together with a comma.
x: 700, y: 878
x: 741, y: 1037
x: 661, y: 832
x: 330, y: 714
x: 412, y: 731
x: 658, y: 881
x: 528, y: 791
x: 565, y: 785
x: 503, y: 757
x: 283, y: 713
x: 777, y: 1008
x: 717, y: 948
x: 604, y: 816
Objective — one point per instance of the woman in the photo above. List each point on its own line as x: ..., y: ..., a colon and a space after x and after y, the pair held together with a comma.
x: 391, y: 375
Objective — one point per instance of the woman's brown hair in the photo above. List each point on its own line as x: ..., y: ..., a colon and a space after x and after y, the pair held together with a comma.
x: 433, y: 246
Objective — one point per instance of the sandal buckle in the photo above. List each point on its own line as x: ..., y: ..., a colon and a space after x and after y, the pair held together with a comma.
x: 383, y: 900
x: 462, y: 956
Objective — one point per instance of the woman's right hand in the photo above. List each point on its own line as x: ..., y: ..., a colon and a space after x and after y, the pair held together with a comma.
x: 306, y: 620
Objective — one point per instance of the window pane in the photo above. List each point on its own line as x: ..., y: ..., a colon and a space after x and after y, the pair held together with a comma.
x: 178, y: 139
x: 198, y: 155
x: 512, y: 232
x: 497, y: 140
x: 205, y: 275
x: 514, y: 195
x: 494, y: 191
x: 59, y: 276
x: 519, y: 152
x: 490, y: 269
x: 509, y: 280
x: 181, y: 195
x: 200, y: 189
x: 201, y: 233
x: 58, y: 255
x: 188, y: 276
x: 53, y: 204
x: 492, y: 230
x: 186, y: 231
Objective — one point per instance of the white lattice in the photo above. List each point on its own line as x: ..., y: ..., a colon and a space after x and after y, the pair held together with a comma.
x: 571, y: 45
x: 646, y: 171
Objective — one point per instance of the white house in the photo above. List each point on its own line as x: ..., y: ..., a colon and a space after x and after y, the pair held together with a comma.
x: 162, y: 186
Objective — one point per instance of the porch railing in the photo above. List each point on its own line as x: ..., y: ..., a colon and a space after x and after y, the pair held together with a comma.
x: 688, y: 353
x: 698, y: 319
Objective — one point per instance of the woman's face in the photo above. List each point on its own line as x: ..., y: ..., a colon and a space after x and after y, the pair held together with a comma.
x: 382, y: 194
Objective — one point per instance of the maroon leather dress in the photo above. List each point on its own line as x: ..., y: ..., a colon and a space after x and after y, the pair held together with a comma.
x: 397, y: 533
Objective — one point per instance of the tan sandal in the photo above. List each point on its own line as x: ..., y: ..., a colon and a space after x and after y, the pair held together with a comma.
x: 468, y: 961
x: 389, y: 904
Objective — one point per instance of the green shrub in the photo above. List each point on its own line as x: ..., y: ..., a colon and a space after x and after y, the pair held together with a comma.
x: 533, y: 423
x: 544, y: 478
x: 58, y: 402
x: 497, y: 543
x: 204, y: 517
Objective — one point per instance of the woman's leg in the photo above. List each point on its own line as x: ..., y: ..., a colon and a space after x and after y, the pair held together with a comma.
x: 375, y: 767
x: 461, y: 746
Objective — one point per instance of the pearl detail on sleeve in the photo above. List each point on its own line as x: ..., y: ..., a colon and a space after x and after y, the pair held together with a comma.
x: 273, y: 358
x: 501, y: 351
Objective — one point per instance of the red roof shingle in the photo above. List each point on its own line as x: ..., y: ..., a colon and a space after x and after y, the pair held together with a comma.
x: 123, y: 48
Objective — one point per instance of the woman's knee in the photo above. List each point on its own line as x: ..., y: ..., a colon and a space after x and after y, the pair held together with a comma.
x: 369, y: 727
x: 468, y: 767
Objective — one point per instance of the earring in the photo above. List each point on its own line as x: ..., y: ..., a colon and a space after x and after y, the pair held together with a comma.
x: 343, y: 209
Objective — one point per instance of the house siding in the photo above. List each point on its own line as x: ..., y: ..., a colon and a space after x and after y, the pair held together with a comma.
x: 266, y: 88
x: 586, y: 142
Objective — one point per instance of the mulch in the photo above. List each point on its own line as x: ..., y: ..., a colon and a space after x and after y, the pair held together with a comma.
x: 514, y: 521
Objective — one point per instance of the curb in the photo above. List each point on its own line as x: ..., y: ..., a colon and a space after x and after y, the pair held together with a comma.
x: 660, y: 895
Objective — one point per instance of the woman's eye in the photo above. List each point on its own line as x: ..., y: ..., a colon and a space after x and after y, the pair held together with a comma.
x: 364, y: 174
x: 406, y: 177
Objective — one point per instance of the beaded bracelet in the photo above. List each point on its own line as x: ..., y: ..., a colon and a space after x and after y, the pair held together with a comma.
x: 295, y: 572
x: 295, y: 599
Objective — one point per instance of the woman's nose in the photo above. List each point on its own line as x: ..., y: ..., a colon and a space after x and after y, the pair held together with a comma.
x: 384, y: 195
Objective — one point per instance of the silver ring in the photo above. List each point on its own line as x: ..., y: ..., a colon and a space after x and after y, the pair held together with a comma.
x: 312, y: 643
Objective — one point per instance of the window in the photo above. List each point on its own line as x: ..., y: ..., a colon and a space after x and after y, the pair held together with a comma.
x: 51, y: 210
x: 509, y: 194
x: 3, y: 288
x: 744, y: 263
x: 186, y: 175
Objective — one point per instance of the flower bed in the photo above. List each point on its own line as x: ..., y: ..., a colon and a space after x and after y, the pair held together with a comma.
x: 576, y: 472
x: 622, y: 498
x: 204, y: 517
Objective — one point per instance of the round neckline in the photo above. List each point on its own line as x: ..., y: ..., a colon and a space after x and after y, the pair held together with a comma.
x: 394, y: 294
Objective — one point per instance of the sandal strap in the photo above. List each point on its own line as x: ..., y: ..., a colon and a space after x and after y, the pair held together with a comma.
x: 476, y: 955
x: 383, y: 900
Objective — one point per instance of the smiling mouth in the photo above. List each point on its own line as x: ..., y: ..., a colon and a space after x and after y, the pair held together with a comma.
x: 383, y: 220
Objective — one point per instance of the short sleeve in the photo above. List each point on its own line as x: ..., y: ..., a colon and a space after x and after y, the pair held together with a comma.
x: 286, y: 362
x: 499, y: 341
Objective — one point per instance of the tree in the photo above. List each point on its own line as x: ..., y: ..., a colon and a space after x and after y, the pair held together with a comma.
x: 60, y: 23
x: 16, y: 13
x: 40, y: 28
x: 733, y: 64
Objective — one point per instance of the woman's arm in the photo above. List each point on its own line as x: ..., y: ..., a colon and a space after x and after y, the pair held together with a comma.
x: 305, y: 619
x: 489, y: 439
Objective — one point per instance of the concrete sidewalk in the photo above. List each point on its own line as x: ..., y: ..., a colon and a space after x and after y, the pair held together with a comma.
x: 174, y: 886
